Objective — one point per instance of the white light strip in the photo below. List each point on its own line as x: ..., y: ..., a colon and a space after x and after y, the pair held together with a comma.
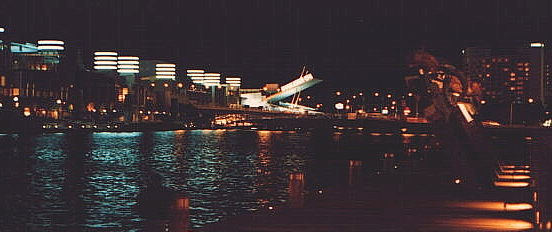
x: 195, y: 75
x: 212, y: 74
x: 537, y: 45
x: 195, y: 71
x: 128, y: 58
x: 165, y: 65
x: 105, y: 67
x: 235, y: 85
x: 50, y: 47
x: 128, y: 66
x: 127, y: 71
x: 233, y: 78
x: 105, y: 54
x: 128, y: 62
x: 165, y: 69
x: 105, y: 58
x: 165, y: 73
x: 51, y: 42
x: 105, y: 62
x: 165, y: 77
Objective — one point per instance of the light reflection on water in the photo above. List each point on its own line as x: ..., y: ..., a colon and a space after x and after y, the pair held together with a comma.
x: 81, y: 181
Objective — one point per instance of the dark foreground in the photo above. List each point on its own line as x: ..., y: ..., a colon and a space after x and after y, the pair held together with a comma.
x: 422, y: 193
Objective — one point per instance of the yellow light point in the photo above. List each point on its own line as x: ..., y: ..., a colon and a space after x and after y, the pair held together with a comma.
x: 511, y: 184
x: 457, y: 181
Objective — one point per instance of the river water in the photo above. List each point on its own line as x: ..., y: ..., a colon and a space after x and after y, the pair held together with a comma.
x: 90, y: 181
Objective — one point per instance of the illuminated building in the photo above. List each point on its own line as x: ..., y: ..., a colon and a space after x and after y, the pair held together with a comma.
x: 32, y: 71
x: 511, y: 75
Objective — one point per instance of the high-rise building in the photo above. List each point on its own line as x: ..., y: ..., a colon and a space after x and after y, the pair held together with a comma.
x: 512, y: 75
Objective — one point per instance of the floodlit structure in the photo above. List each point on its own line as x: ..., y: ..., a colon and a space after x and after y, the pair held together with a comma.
x: 128, y: 64
x: 233, y: 81
x: 51, y: 45
x: 211, y: 79
x: 196, y: 75
x: 275, y: 101
x: 165, y: 71
x: 105, y: 60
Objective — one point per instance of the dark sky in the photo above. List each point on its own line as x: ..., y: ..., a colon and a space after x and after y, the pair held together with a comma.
x: 347, y: 43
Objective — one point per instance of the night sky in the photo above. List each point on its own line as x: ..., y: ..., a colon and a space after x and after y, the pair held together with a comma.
x: 347, y: 43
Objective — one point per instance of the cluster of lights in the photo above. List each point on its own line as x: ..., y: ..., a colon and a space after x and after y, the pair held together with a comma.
x: 105, y: 60
x: 211, y: 79
x: 51, y: 45
x: 128, y: 64
x: 165, y: 71
x: 233, y: 81
x: 196, y: 75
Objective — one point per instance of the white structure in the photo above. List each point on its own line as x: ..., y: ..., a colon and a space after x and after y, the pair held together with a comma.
x: 211, y: 79
x: 196, y: 75
x: 233, y: 81
x: 51, y: 45
x: 165, y: 71
x: 105, y: 60
x: 128, y: 64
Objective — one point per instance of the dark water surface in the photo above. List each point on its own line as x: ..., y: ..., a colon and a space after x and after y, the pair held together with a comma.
x: 90, y: 181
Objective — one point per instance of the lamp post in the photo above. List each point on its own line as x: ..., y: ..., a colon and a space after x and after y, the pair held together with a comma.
x: 511, y: 112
